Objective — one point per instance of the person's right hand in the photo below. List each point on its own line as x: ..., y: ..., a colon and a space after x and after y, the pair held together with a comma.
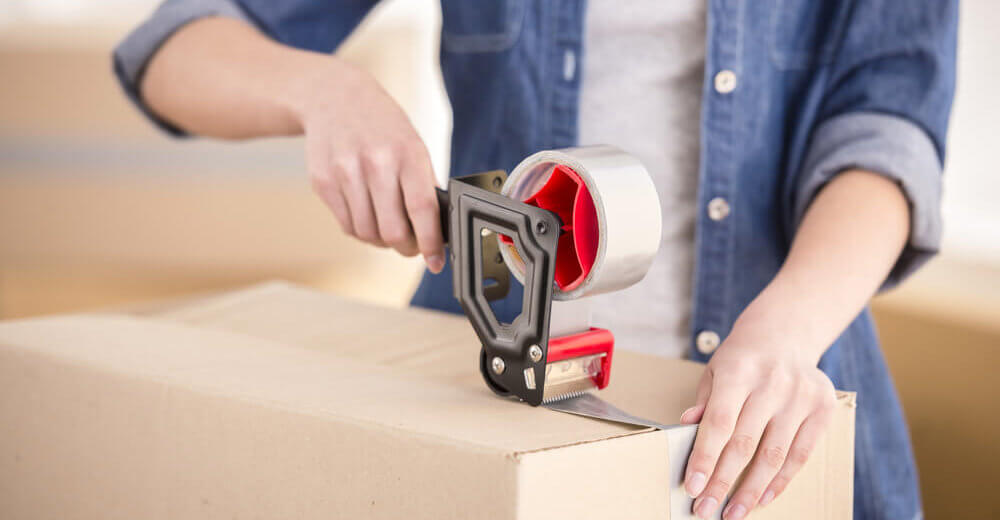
x: 368, y: 164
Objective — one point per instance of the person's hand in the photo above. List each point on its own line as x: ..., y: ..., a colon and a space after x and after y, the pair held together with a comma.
x: 368, y: 164
x: 761, y: 404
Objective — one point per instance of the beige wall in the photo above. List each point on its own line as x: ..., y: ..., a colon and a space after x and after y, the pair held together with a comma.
x: 98, y: 208
x: 941, y: 337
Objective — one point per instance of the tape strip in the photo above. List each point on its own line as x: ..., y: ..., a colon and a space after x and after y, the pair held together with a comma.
x: 589, y: 405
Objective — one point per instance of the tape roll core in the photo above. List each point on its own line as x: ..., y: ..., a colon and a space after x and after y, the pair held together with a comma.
x: 565, y: 194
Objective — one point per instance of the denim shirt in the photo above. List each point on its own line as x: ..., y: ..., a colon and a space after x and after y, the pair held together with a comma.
x: 795, y: 91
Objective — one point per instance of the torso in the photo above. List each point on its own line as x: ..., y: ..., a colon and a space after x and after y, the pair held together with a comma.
x: 643, y: 71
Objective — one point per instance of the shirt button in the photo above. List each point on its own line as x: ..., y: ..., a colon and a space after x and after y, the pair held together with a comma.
x: 725, y: 81
x: 718, y: 209
x: 569, y: 65
x: 707, y: 341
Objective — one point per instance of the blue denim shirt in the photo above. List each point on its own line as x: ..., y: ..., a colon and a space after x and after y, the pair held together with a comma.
x: 795, y: 91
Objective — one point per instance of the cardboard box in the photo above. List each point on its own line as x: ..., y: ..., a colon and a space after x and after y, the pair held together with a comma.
x: 279, y: 402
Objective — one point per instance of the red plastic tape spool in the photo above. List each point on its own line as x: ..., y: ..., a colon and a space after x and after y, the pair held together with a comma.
x: 566, y: 195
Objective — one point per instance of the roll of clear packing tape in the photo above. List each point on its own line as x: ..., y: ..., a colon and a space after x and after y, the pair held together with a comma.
x: 610, y: 213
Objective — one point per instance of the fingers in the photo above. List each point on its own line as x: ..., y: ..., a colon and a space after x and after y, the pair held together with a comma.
x: 760, y: 417
x: 738, y: 452
x: 347, y: 170
x: 417, y: 180
x: 769, y: 459
x: 785, y: 447
x: 717, y: 425
x: 368, y: 163
x: 317, y: 162
x: 798, y: 453
x: 382, y: 172
x: 334, y: 199
x: 383, y: 196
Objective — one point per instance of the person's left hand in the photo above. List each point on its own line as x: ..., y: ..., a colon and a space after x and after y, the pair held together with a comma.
x: 761, y: 404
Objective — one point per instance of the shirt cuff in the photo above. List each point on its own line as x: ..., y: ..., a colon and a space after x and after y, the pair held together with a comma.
x: 134, y: 52
x: 890, y: 146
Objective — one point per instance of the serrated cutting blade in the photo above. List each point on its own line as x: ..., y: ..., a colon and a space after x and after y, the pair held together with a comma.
x: 589, y: 405
x: 571, y: 377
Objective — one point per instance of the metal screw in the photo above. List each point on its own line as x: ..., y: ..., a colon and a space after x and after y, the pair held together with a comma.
x: 535, y: 353
x: 497, y: 182
x: 541, y: 227
x: 498, y: 365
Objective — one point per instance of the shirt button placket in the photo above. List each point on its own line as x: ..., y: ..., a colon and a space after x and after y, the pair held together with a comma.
x: 720, y: 129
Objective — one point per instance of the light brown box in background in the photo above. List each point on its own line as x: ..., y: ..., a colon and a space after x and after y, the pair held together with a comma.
x: 278, y: 402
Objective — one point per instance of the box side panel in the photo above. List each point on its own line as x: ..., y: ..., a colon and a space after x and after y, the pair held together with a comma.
x: 81, y: 443
x: 840, y: 458
x: 625, y: 477
x: 641, y: 476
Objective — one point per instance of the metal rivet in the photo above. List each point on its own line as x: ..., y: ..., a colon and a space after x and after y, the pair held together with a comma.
x: 535, y: 353
x: 707, y: 341
x: 497, y: 182
x: 718, y: 209
x: 541, y: 227
x: 725, y: 81
x: 485, y: 232
x: 498, y: 365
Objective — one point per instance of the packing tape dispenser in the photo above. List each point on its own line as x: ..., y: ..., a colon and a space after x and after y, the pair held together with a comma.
x: 568, y: 224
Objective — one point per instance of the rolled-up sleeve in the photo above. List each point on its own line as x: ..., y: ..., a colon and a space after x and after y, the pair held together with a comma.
x: 887, y: 112
x: 894, y: 148
x: 134, y: 52
x: 305, y: 24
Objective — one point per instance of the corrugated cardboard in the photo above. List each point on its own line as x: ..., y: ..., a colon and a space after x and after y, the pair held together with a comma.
x: 278, y: 402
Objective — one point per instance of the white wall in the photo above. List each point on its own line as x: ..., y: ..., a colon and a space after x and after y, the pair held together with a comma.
x: 972, y: 177
x: 73, y: 11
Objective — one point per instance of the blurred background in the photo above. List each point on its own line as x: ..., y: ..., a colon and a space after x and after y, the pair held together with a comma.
x: 97, y: 209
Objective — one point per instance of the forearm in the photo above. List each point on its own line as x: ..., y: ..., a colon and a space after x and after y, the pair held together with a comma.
x: 222, y: 78
x: 849, y: 240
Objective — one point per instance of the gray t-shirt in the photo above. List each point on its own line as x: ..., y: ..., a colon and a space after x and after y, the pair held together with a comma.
x: 643, y: 74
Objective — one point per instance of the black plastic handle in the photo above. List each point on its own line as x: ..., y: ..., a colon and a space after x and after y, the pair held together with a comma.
x: 535, y: 233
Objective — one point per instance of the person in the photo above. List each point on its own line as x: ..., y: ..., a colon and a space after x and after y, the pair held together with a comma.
x: 796, y: 146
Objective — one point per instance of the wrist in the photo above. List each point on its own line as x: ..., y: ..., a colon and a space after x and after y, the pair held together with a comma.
x: 778, y: 322
x: 317, y: 83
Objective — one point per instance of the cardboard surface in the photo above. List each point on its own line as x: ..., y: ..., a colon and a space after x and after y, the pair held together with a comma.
x: 278, y: 402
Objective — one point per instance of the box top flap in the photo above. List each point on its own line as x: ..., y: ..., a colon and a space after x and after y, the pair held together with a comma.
x: 435, y: 345
x: 425, y: 343
x: 268, y: 373
x: 310, y: 352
